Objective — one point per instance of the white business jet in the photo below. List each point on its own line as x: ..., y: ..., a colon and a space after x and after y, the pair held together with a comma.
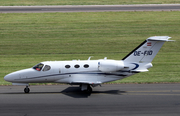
x: 90, y: 73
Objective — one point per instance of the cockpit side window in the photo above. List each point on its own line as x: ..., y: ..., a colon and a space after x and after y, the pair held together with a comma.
x: 46, y: 68
x: 38, y: 67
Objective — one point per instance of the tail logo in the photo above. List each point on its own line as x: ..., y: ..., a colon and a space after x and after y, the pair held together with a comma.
x: 137, y: 65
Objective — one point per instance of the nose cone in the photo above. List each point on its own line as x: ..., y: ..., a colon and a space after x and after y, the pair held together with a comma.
x: 19, y: 76
x: 11, y: 77
x: 6, y: 78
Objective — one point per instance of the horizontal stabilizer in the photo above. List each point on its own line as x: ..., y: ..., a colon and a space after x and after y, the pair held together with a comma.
x: 160, y: 38
x: 138, y: 71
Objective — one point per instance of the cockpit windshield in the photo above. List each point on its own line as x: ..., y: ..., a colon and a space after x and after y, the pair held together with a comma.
x: 46, y: 68
x: 38, y: 67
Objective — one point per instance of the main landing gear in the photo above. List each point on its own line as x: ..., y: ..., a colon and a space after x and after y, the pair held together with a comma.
x: 86, y: 88
x: 89, y: 89
x: 26, y: 90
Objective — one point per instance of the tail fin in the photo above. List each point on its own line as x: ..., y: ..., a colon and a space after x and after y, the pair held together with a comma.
x: 147, y: 50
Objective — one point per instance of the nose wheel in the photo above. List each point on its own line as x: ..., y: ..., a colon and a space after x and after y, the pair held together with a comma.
x: 26, y: 90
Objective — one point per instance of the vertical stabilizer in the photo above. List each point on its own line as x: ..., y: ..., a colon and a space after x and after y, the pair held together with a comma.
x: 147, y: 50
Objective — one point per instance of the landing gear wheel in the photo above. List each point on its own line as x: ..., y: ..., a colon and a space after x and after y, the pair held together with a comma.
x: 26, y: 90
x: 89, y: 89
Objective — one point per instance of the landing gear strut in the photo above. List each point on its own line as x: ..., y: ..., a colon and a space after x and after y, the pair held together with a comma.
x: 26, y: 90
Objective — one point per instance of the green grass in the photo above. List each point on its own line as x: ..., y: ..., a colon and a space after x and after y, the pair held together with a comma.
x: 82, y: 2
x: 29, y: 38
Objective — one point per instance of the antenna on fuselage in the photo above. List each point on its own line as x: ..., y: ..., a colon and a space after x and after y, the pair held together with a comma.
x: 90, y: 57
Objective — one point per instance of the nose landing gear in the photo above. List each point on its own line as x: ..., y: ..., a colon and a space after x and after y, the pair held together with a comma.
x: 26, y: 90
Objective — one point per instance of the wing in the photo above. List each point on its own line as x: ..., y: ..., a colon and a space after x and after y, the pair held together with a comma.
x: 85, y: 82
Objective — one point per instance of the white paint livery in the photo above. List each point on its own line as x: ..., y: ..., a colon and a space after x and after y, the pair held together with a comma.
x: 89, y: 73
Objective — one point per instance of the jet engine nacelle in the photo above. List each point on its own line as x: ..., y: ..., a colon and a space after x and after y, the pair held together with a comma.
x: 110, y: 65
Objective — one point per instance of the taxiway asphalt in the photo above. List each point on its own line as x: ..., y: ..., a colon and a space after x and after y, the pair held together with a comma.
x: 108, y: 100
x: 89, y: 8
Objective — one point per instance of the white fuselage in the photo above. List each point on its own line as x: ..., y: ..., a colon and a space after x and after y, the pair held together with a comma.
x: 73, y: 72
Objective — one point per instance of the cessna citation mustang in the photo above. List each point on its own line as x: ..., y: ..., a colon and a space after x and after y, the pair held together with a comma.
x: 90, y: 73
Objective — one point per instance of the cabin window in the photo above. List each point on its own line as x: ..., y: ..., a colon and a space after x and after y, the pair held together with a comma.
x: 67, y: 66
x: 46, y: 68
x: 76, y: 66
x: 86, y: 66
x: 38, y: 67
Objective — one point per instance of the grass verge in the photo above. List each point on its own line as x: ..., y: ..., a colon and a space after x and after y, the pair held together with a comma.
x: 29, y: 38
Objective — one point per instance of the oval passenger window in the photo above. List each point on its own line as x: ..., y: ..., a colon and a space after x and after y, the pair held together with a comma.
x: 86, y: 66
x: 76, y: 66
x: 67, y: 66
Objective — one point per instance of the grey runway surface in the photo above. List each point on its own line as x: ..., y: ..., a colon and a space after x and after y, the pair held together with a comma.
x: 108, y: 100
x: 88, y: 8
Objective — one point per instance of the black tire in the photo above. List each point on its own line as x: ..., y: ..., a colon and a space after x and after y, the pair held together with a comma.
x: 26, y: 90
x: 89, y: 89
